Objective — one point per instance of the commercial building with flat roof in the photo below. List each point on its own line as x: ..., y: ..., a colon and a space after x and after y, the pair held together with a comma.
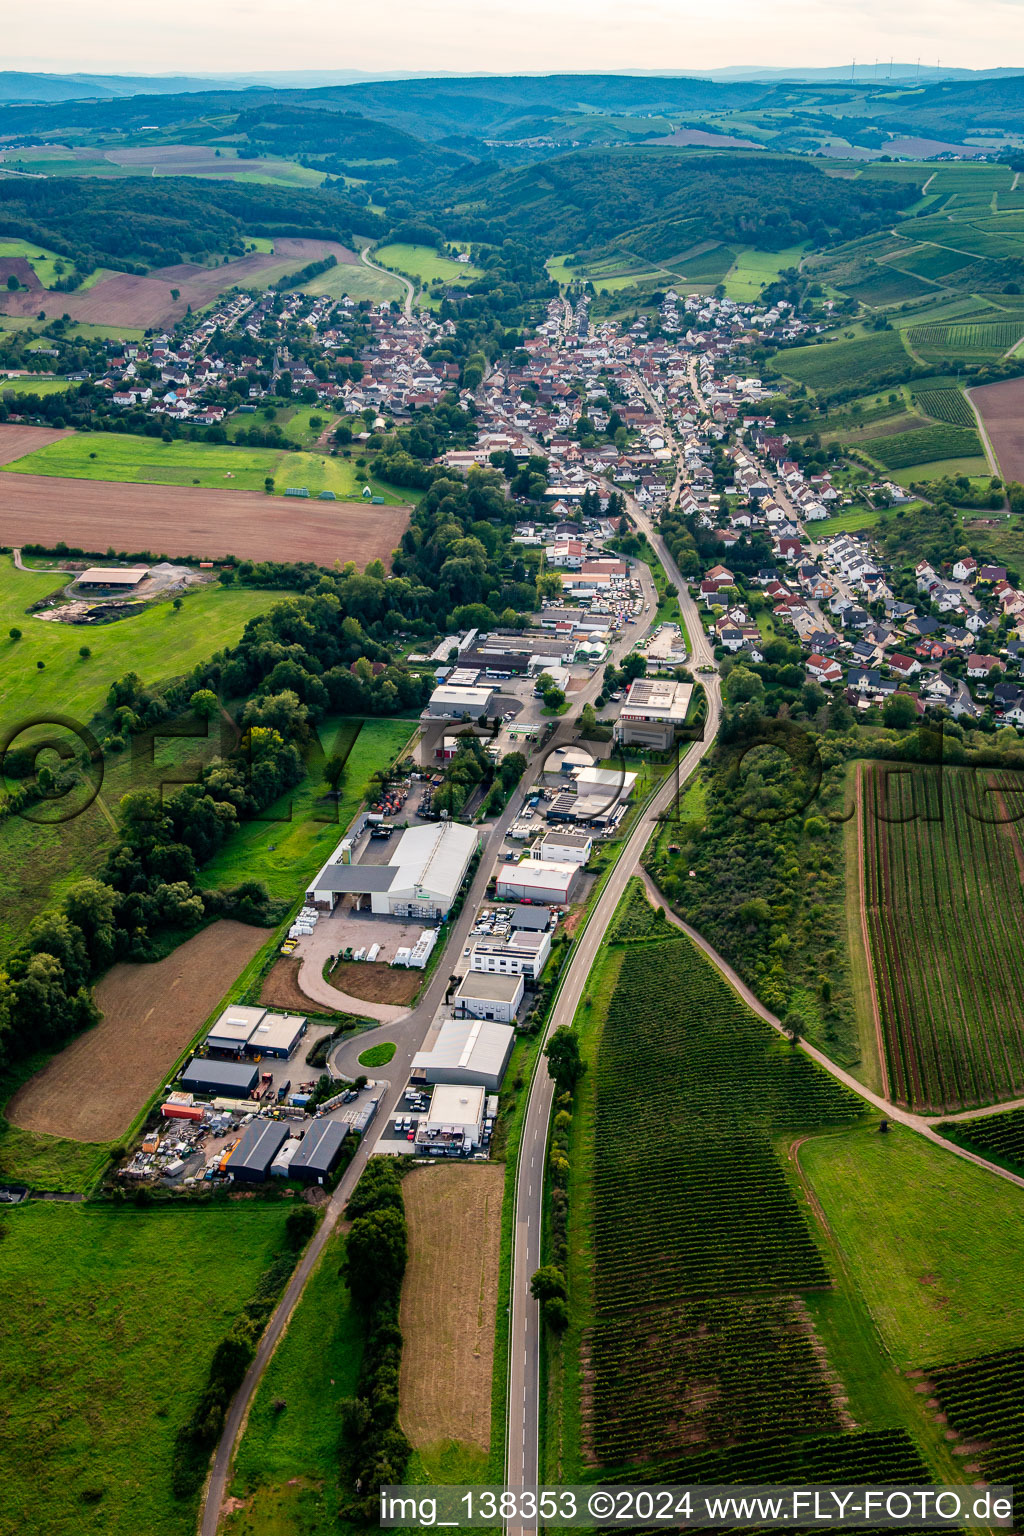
x: 652, y: 711
x: 227, y: 1079
x: 319, y: 1151
x: 277, y: 1034
x: 484, y: 995
x: 474, y: 1051
x: 421, y: 879
x: 565, y: 847
x: 232, y: 1031
x: 257, y: 1148
x: 521, y: 954
x: 537, y: 880
x: 451, y: 703
x: 455, y: 1123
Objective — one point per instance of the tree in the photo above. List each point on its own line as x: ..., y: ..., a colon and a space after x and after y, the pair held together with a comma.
x: 565, y: 1065
x: 204, y: 703
x: 900, y: 711
x: 268, y: 485
x: 14, y: 633
x: 546, y: 1282
x: 84, y: 652
x: 175, y: 294
x: 512, y: 768
x: 794, y: 1026
x: 176, y: 605
x: 13, y: 283
x: 375, y: 1256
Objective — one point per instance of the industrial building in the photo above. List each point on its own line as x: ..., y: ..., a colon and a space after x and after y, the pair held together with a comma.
x: 560, y: 847
x: 531, y: 919
x: 451, y: 703
x: 537, y: 880
x: 474, y: 1051
x: 319, y: 1151
x: 244, y: 1031
x: 112, y: 577
x: 226, y: 1079
x: 421, y: 879
x: 652, y: 711
x: 455, y: 1124
x: 257, y: 1148
x: 484, y: 995
x: 521, y: 954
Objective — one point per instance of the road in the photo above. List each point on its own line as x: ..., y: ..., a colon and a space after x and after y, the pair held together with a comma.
x: 410, y: 291
x: 408, y: 1035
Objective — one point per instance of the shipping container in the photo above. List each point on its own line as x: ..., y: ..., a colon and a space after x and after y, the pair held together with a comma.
x: 182, y: 1112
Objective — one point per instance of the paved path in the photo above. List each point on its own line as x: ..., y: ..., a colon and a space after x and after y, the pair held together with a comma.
x: 410, y: 291
x: 312, y: 984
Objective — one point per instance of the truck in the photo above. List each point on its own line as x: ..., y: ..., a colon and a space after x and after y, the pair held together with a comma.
x: 263, y: 1087
x: 282, y: 1092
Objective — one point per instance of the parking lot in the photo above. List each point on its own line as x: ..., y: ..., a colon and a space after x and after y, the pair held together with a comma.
x: 399, y: 1135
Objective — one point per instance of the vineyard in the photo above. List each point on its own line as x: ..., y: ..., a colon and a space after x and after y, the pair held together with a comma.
x: 637, y: 919
x: 993, y: 337
x: 982, y: 1400
x: 943, y: 895
x: 945, y: 405
x: 924, y: 445
x: 1000, y: 1137
x: 693, y: 1212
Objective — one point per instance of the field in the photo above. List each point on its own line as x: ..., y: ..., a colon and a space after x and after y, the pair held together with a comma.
x: 449, y: 1297
x: 126, y: 299
x: 753, y: 270
x: 356, y: 281
x: 157, y: 643
x: 286, y: 1465
x: 951, y: 1284
x: 845, y: 364
x: 901, y: 450
x: 945, y: 405
x: 936, y: 856
x: 105, y: 1351
x: 114, y: 456
x: 38, y: 258
x: 95, y: 1087
x: 425, y: 265
x: 184, y: 520
x: 16, y: 441
x: 971, y: 342
x: 1000, y: 1138
x: 376, y: 982
x: 1001, y: 408
x: 295, y: 835
x: 33, y: 384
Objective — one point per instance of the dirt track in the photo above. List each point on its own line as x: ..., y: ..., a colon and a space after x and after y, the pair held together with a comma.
x: 140, y: 302
x: 1001, y: 408
x: 448, y: 1302
x: 94, y: 1089
x: 16, y: 442
x: 95, y: 515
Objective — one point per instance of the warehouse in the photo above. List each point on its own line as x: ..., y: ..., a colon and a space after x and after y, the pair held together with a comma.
x: 521, y: 954
x: 466, y: 1051
x: 489, y: 996
x: 257, y: 1148
x: 531, y: 919
x: 112, y: 577
x: 652, y: 712
x: 230, y: 1035
x: 537, y: 880
x: 226, y: 1079
x: 565, y: 847
x: 319, y: 1151
x: 277, y: 1035
x: 448, y: 703
x: 421, y: 879
x: 456, y: 1121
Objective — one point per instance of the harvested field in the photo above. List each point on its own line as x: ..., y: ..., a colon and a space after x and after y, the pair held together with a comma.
x: 16, y: 441
x: 376, y: 983
x: 1001, y: 408
x: 124, y: 299
x: 21, y: 268
x: 448, y: 1302
x: 185, y: 520
x: 96, y: 1086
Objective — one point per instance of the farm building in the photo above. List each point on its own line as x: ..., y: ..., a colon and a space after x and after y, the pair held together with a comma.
x: 421, y: 879
x: 451, y: 703
x: 319, y: 1151
x: 521, y: 954
x: 565, y: 848
x: 652, y: 712
x: 537, y: 880
x: 258, y: 1146
x: 455, y: 1122
x: 111, y: 578
x: 466, y: 1051
x: 226, y: 1079
x: 489, y: 995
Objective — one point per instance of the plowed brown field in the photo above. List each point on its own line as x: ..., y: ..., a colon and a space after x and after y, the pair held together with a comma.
x: 127, y: 300
x: 448, y: 1302
x: 94, y: 1089
x: 95, y: 515
x: 1001, y: 408
x: 16, y: 442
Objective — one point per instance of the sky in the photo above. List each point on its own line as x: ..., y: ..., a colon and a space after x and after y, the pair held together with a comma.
x: 498, y: 37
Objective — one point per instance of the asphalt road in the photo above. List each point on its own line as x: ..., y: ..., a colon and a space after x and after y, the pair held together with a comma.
x: 408, y: 1035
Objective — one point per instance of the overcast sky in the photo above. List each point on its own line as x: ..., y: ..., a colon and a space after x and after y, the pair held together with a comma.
x: 117, y: 36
